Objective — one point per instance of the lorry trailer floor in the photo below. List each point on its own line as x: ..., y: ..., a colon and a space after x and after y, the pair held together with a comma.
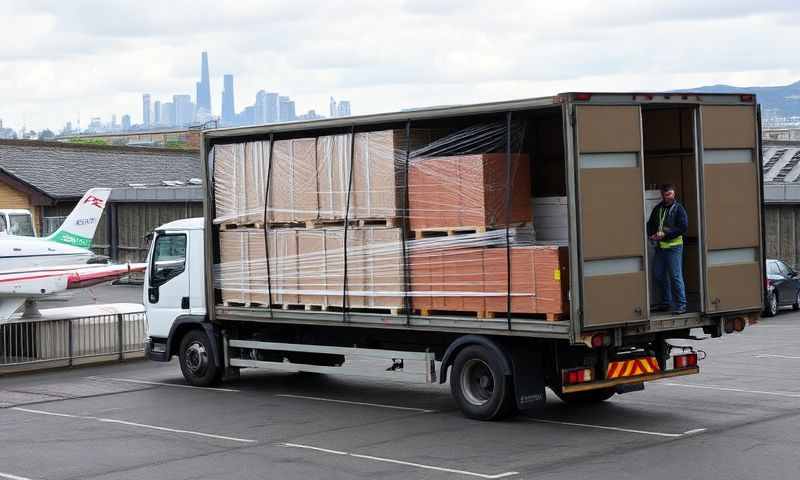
x: 139, y: 420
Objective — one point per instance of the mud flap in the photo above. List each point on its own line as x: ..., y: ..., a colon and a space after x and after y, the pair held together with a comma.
x: 528, y: 378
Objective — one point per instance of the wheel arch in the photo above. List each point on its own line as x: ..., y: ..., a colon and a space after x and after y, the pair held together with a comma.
x: 461, y: 342
x: 186, y: 323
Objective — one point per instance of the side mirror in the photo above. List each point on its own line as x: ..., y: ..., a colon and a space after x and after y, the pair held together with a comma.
x: 152, y: 295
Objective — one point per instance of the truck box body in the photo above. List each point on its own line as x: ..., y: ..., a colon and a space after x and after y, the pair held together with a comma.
x: 386, y: 188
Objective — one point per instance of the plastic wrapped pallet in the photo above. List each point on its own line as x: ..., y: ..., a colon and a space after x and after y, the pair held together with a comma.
x: 468, y: 191
x: 240, y: 173
x: 233, y: 271
x: 293, y: 187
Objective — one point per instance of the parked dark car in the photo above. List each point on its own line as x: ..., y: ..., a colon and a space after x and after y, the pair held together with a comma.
x: 783, y: 287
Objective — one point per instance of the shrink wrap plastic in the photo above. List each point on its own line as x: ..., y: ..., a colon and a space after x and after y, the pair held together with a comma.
x: 417, y: 219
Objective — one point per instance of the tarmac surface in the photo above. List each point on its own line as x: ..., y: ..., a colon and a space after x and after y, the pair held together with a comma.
x: 738, y: 419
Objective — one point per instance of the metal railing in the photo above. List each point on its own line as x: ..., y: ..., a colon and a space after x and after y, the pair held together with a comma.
x: 47, y: 343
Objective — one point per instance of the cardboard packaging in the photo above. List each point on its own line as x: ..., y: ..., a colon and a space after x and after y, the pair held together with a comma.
x: 293, y: 186
x: 468, y: 191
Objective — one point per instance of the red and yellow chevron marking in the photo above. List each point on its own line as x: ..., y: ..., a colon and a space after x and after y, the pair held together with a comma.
x: 632, y: 368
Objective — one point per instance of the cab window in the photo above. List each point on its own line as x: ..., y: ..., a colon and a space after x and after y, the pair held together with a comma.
x: 169, y: 258
x: 21, y: 224
x: 3, y: 228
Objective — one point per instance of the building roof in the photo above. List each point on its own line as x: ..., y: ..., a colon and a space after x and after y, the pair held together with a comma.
x: 781, y: 168
x: 63, y: 171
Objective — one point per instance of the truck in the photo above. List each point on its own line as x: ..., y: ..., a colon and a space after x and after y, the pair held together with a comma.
x: 569, y: 178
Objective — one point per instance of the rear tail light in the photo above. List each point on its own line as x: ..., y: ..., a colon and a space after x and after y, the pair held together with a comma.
x: 583, y: 97
x: 685, y: 361
x: 574, y: 376
x: 746, y: 98
x: 599, y: 340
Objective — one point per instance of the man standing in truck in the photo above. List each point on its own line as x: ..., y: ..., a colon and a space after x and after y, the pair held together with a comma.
x: 666, y: 227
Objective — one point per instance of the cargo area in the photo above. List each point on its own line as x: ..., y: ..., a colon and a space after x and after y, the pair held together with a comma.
x: 434, y: 221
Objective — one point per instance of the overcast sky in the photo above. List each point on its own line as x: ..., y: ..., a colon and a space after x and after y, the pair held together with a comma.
x: 61, y: 59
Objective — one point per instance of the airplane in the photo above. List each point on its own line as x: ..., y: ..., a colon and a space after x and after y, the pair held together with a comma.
x: 32, y: 268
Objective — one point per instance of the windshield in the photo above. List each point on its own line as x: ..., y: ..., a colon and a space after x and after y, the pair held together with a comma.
x: 21, y: 224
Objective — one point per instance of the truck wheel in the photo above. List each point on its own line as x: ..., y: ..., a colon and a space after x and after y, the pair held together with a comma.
x: 198, y: 364
x: 587, y: 397
x: 479, y: 386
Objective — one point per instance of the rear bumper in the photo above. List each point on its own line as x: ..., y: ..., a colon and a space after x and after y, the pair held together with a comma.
x: 628, y: 380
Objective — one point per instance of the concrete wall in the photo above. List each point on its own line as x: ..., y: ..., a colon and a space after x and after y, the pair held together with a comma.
x: 781, y: 227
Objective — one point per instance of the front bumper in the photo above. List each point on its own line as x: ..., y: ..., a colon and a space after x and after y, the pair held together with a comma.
x: 157, y: 349
x: 629, y: 380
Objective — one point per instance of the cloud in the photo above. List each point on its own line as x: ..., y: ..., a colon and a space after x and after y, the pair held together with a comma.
x: 98, y: 57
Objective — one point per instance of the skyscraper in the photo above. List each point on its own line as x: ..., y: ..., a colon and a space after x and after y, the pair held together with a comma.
x: 228, y: 109
x: 126, y: 122
x: 203, y: 87
x: 333, y: 111
x: 285, y: 110
x: 184, y: 110
x: 343, y: 109
x: 157, y: 112
x: 146, y: 110
x: 266, y: 107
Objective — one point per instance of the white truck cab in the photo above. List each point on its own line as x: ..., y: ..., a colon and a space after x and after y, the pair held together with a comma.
x: 174, y: 285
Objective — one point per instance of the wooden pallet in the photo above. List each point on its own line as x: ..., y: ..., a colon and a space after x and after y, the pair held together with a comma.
x: 481, y: 314
x: 242, y: 226
x: 464, y: 230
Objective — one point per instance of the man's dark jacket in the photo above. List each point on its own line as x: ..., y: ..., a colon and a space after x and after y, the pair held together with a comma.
x: 676, y: 221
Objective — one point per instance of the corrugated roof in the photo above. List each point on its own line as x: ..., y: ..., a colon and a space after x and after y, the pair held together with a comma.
x: 63, y: 170
x: 781, y: 162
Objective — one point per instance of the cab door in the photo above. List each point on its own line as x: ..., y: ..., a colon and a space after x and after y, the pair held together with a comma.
x: 731, y: 208
x: 611, y: 218
x: 167, y: 282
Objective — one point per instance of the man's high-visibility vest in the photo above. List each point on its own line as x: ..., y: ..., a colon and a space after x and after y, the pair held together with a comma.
x: 662, y: 215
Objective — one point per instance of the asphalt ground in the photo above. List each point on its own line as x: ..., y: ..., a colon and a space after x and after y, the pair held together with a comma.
x: 738, y: 419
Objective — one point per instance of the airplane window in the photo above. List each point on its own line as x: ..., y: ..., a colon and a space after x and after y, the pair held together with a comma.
x: 21, y: 225
x: 169, y: 258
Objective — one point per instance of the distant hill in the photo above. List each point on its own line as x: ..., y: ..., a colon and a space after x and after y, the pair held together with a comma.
x: 775, y: 101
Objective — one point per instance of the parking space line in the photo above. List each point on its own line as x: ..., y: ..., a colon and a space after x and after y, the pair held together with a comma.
x: 163, y: 384
x: 766, y: 355
x: 618, y: 429
x: 12, y: 477
x: 400, y: 462
x: 133, y: 424
x: 349, y: 402
x: 737, y: 390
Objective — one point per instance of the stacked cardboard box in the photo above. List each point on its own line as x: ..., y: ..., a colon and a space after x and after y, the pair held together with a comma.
x: 476, y: 280
x: 468, y: 191
x: 306, y: 266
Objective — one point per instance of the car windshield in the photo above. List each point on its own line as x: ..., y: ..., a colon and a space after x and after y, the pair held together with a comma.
x: 22, y: 225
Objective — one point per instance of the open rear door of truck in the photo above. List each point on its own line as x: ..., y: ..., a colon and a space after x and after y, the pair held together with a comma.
x: 610, y: 217
x: 731, y: 208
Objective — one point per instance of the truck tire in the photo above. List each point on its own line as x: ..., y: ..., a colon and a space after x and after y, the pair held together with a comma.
x: 479, y: 386
x: 588, y: 397
x: 198, y: 365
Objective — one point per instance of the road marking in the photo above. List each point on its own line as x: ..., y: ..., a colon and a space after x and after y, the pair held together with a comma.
x: 163, y: 384
x: 133, y: 424
x: 12, y: 477
x: 766, y: 355
x: 603, y: 427
x: 400, y: 462
x: 42, y: 412
x: 379, y: 405
x: 175, y: 430
x: 738, y: 390
x: 695, y: 431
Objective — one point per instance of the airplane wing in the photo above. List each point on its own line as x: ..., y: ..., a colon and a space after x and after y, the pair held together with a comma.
x: 18, y: 286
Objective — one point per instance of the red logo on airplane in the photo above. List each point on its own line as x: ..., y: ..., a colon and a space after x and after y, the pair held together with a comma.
x: 97, y: 202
